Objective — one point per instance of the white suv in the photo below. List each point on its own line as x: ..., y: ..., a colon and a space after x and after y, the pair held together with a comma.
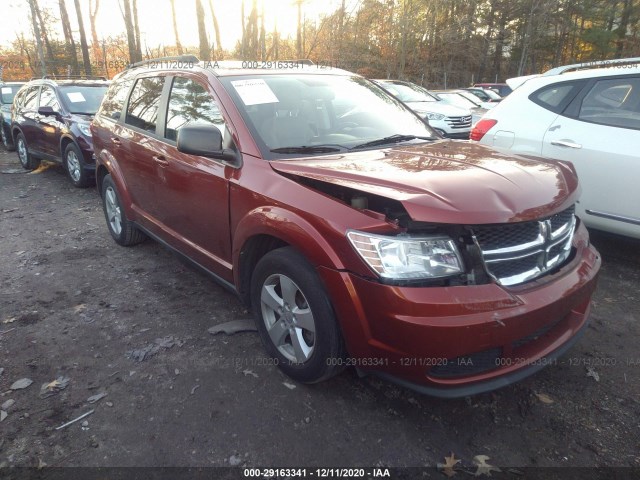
x: 588, y: 114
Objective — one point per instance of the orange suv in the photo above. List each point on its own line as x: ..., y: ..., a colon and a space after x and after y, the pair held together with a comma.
x: 358, y: 236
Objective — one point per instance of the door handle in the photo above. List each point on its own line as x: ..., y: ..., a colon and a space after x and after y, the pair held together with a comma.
x: 116, y: 141
x: 161, y: 160
x: 566, y: 143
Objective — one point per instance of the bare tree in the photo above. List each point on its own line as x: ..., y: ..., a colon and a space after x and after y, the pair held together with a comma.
x: 95, y: 43
x: 131, y: 37
x: 175, y: 27
x: 70, y: 44
x: 136, y: 29
x: 36, y: 33
x: 86, y: 60
x: 215, y: 28
x: 45, y: 36
x: 205, y: 52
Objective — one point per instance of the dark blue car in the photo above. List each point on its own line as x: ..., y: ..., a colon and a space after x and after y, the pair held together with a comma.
x: 8, y: 91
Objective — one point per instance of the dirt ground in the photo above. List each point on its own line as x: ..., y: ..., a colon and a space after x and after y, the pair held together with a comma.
x: 132, y: 323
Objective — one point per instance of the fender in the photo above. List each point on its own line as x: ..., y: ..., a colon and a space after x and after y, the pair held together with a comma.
x: 289, y: 227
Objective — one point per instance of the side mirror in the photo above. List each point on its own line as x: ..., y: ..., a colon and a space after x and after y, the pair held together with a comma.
x: 47, y: 111
x: 204, y: 140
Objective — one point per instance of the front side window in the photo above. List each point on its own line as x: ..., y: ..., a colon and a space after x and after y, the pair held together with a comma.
x: 321, y: 113
x: 48, y: 99
x: 144, y: 102
x: 114, y: 99
x: 189, y: 104
x: 614, y: 102
x: 30, y: 101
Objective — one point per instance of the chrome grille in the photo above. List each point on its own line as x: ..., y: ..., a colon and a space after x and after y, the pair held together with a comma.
x: 519, y: 252
x: 459, y: 122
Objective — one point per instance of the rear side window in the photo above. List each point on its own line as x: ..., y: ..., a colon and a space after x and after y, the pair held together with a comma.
x: 30, y: 101
x: 190, y: 103
x: 557, y: 96
x: 142, y: 111
x: 114, y: 99
x: 614, y: 102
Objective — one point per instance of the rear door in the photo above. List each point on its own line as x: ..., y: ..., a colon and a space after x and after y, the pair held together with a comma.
x: 193, y: 191
x: 26, y: 117
x: 48, y: 133
x: 137, y: 150
x: 600, y: 134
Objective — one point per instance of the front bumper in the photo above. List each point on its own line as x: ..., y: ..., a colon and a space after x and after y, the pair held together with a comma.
x: 457, y: 341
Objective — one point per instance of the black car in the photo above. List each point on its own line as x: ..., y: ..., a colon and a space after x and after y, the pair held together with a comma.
x: 50, y: 120
x: 8, y: 91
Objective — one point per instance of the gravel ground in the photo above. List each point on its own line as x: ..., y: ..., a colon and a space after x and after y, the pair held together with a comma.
x: 81, y: 317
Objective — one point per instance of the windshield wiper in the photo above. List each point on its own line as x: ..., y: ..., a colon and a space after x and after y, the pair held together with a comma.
x: 390, y: 139
x: 306, y: 149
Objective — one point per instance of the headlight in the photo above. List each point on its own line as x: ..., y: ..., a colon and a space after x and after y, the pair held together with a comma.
x: 84, y: 128
x: 406, y: 257
x: 434, y: 116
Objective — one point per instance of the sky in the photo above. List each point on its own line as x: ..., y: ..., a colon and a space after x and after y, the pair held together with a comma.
x: 155, y: 19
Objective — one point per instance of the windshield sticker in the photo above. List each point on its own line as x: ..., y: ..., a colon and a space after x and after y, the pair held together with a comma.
x: 6, y: 89
x: 254, y: 92
x: 76, y: 97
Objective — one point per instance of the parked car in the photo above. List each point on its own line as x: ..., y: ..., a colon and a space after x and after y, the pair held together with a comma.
x: 590, y: 117
x: 448, y: 120
x: 501, y: 89
x: 50, y: 120
x: 485, y: 95
x: 8, y: 91
x: 457, y: 99
x: 357, y: 235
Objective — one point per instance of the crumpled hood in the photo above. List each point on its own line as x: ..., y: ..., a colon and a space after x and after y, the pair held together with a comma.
x: 448, y: 181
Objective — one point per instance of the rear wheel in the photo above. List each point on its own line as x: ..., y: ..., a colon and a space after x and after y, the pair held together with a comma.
x: 295, y: 318
x: 78, y: 175
x: 27, y: 160
x: 122, y: 230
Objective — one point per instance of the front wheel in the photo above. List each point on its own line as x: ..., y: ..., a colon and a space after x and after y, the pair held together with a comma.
x: 78, y: 175
x: 121, y: 229
x: 294, y: 317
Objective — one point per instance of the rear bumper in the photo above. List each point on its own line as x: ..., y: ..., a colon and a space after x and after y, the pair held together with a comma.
x: 456, y: 341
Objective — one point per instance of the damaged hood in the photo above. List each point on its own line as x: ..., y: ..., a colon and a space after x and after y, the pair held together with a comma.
x: 449, y: 182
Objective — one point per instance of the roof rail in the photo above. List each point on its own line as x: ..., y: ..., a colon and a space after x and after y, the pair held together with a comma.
x: 180, y: 58
x: 70, y: 77
x: 592, y: 64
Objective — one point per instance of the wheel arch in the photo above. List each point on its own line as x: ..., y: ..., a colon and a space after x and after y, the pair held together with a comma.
x: 268, y: 228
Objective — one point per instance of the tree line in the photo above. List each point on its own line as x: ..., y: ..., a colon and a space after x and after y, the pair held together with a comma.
x: 434, y: 42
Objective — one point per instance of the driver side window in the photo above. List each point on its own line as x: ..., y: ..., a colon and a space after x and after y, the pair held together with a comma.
x: 48, y: 99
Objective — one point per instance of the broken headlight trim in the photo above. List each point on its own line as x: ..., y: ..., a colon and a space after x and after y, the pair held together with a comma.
x: 404, y: 257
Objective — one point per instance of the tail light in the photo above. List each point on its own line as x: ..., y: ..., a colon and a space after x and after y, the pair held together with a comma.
x: 482, y: 127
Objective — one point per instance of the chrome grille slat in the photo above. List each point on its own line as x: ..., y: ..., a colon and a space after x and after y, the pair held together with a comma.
x: 459, y: 122
x: 520, y: 252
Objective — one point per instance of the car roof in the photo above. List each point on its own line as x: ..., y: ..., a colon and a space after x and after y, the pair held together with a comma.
x: 65, y: 82
x: 578, y: 71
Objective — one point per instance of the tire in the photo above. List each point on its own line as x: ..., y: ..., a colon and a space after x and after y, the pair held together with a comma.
x: 5, y: 138
x: 122, y: 230
x: 73, y: 164
x: 27, y: 160
x: 294, y: 317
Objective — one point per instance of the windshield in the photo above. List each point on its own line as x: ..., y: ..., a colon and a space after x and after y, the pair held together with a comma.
x: 408, y: 92
x: 457, y: 100
x: 335, y: 112
x: 7, y: 92
x: 471, y: 97
x: 83, y: 98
